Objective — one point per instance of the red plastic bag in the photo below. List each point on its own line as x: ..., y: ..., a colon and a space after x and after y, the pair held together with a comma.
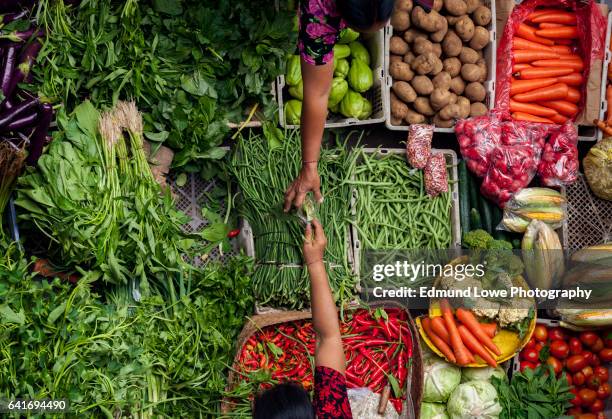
x: 436, y: 178
x: 478, y: 137
x: 591, y: 41
x: 559, y: 165
x: 418, y: 146
x: 527, y: 134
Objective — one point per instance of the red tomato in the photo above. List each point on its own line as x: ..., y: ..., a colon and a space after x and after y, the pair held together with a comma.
x: 575, y: 346
x: 555, y: 363
x: 605, y: 355
x: 576, y: 401
x: 588, y: 357
x: 575, y: 363
x: 588, y: 338
x: 587, y: 396
x: 598, y: 345
x: 530, y: 355
x: 540, y: 333
x: 578, y: 379
x: 596, y: 406
x: 530, y: 343
x: 587, y: 371
x: 527, y: 364
x: 538, y: 346
x: 603, y: 392
x: 601, y: 373
x: 556, y: 333
x: 595, y: 362
x: 568, y: 377
x: 574, y: 411
x: 559, y: 349
x: 593, y: 383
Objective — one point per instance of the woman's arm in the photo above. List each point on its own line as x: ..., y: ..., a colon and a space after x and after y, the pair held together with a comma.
x: 328, y: 350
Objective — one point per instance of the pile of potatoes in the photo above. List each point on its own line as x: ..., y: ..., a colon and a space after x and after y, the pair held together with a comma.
x: 436, y: 61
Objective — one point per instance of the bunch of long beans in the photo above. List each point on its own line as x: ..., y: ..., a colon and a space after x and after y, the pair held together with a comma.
x: 263, y: 170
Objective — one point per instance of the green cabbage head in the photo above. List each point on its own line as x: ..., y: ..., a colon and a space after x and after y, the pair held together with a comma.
x: 341, y: 68
x: 293, y: 112
x: 360, y: 76
x: 359, y: 52
x: 440, y: 379
x: 338, y: 90
x: 294, y: 71
x: 482, y: 374
x: 433, y: 411
x: 474, y: 400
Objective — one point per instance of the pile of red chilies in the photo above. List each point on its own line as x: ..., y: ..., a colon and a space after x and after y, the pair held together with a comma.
x: 377, y: 344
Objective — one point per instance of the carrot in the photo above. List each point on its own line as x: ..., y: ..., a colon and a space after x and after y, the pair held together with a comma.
x: 573, y: 79
x: 469, y: 320
x: 567, y: 18
x: 544, y: 72
x: 529, y: 55
x: 559, y: 119
x: 527, y: 32
x: 561, y: 41
x: 437, y: 325
x: 573, y: 95
x: 566, y: 32
x: 476, y: 347
x: 565, y: 62
x: 437, y: 341
x: 531, y: 108
x: 490, y: 329
x: 519, y: 67
x: 602, y: 126
x: 463, y: 357
x: 521, y: 116
x: 561, y: 106
x: 540, y: 12
x: 554, y: 92
x: 609, y: 100
x: 561, y: 49
x: 521, y: 43
x: 520, y: 86
x: 547, y: 25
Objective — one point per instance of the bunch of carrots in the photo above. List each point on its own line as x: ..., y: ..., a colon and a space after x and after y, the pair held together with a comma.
x: 460, y: 336
x: 547, y: 69
x: 606, y: 125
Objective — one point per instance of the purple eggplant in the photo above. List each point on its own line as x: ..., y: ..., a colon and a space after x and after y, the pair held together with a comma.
x: 19, y: 36
x: 26, y: 61
x: 11, y: 17
x: 38, y: 137
x: 8, y: 70
x: 17, y: 111
x: 22, y: 122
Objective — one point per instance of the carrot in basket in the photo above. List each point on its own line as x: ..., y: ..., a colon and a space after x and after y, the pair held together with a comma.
x: 547, y: 25
x: 469, y: 320
x: 490, y: 329
x: 573, y: 79
x: 566, y: 62
x: 554, y: 92
x: 520, y: 86
x: 565, y: 32
x: 529, y: 55
x: 573, y: 95
x: 543, y: 72
x: 567, y: 18
x: 531, y: 108
x: 521, y: 43
x: 527, y: 32
x: 521, y: 116
x: 561, y: 49
x: 437, y: 340
x: 540, y: 12
x: 521, y: 66
x: 475, y: 346
x: 461, y: 353
x: 437, y: 325
x: 558, y: 119
x: 609, y: 100
x: 602, y: 126
x: 561, y: 106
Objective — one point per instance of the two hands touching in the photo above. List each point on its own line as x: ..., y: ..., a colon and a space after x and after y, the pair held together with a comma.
x: 314, y: 243
x: 307, y: 181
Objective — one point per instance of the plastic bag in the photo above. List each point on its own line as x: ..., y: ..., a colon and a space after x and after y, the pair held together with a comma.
x: 418, y: 146
x: 436, y: 178
x: 529, y: 204
x: 527, y: 134
x: 364, y: 404
x: 559, y: 165
x: 478, y: 137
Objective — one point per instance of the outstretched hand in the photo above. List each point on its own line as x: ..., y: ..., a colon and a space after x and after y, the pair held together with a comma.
x: 314, y: 242
x: 307, y: 181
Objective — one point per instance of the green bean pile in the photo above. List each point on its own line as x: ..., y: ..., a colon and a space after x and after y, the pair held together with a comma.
x: 264, y: 169
x: 393, y: 210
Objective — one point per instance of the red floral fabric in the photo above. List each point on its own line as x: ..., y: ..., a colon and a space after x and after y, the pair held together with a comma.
x: 330, y: 397
x: 320, y: 25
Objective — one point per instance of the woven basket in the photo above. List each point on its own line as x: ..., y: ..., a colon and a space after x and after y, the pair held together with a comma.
x: 414, y: 383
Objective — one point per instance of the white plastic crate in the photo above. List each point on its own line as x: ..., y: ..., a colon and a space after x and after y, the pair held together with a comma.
x: 604, y: 78
x: 490, y: 54
x: 375, y: 45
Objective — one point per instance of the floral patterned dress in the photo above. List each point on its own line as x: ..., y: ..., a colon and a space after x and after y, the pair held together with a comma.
x: 320, y: 26
x: 330, y: 396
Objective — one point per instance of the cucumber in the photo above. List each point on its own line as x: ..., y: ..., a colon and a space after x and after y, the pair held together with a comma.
x: 464, y: 197
x: 485, y: 213
x: 475, y: 222
x: 474, y: 191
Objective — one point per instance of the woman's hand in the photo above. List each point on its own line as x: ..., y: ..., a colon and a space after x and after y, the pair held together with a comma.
x: 314, y: 243
x: 307, y: 181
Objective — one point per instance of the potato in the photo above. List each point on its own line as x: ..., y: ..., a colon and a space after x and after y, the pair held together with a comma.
x: 475, y: 92
x: 457, y: 85
x: 413, y: 34
x: 403, y: 5
x: 400, y: 20
x: 464, y: 107
x: 398, y: 46
x: 413, y: 117
x: 422, y: 46
x: 437, y: 68
x: 409, y: 57
x: 442, y: 123
x: 468, y: 56
x: 465, y: 28
x: 455, y: 7
x: 471, y: 72
x: 452, y: 20
x: 439, y: 98
x: 422, y: 85
x: 482, y: 64
x: 395, y: 58
x: 422, y: 106
x: 452, y: 66
x: 404, y: 91
x: 442, y: 81
x: 471, y: 5
x: 451, y: 45
x: 430, y: 22
x: 437, y: 5
x: 481, y: 16
x: 401, y: 71
x: 396, y: 121
x: 426, y: 63
x: 480, y: 38
x: 450, y: 112
x: 438, y: 36
x: 437, y: 49
x: 478, y: 109
x: 453, y: 98
x: 399, y: 109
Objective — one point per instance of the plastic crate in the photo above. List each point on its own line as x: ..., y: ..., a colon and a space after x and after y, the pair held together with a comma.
x: 604, y: 77
x: 375, y: 45
x: 451, y: 160
x: 490, y: 55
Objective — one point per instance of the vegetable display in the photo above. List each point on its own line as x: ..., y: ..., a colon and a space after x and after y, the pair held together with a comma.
x: 598, y: 168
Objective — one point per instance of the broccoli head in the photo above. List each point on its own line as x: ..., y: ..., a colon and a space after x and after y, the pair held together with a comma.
x: 499, y: 245
x: 477, y: 239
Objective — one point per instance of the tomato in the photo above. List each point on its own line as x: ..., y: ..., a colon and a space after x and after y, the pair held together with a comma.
x: 540, y: 333
x: 587, y: 396
x: 576, y: 401
x: 605, y: 355
x: 588, y: 356
x: 601, y: 373
x: 587, y: 416
x: 607, y: 337
x: 588, y: 338
x: 538, y: 346
x: 575, y: 346
x: 598, y: 345
x: 555, y: 363
x: 596, y: 406
x: 578, y: 379
x: 530, y: 343
x: 595, y: 362
x: 559, y: 349
x: 593, y: 383
x: 575, y: 363
x: 603, y: 392
x: 568, y: 377
x: 527, y: 364
x: 587, y: 371
x: 574, y: 411
x: 530, y: 355
x: 556, y: 333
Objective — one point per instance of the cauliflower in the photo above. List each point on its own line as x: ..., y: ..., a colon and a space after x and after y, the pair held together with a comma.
x: 519, y: 311
x: 486, y: 308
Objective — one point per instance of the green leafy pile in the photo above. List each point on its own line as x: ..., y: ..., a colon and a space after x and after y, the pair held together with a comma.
x: 190, y: 65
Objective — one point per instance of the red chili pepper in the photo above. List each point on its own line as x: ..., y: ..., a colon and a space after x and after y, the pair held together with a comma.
x: 397, y: 403
x: 354, y: 378
x: 233, y: 233
x: 394, y: 328
x: 376, y: 382
x: 385, y: 328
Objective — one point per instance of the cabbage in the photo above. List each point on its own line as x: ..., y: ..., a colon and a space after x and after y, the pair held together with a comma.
x: 341, y: 51
x: 598, y: 168
x: 482, y: 374
x: 359, y: 52
x: 474, y: 400
x: 347, y: 35
x: 341, y: 67
x: 433, y: 411
x: 440, y: 379
x: 297, y: 91
x: 338, y: 90
x: 293, y: 112
x: 360, y: 76
x: 294, y: 71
